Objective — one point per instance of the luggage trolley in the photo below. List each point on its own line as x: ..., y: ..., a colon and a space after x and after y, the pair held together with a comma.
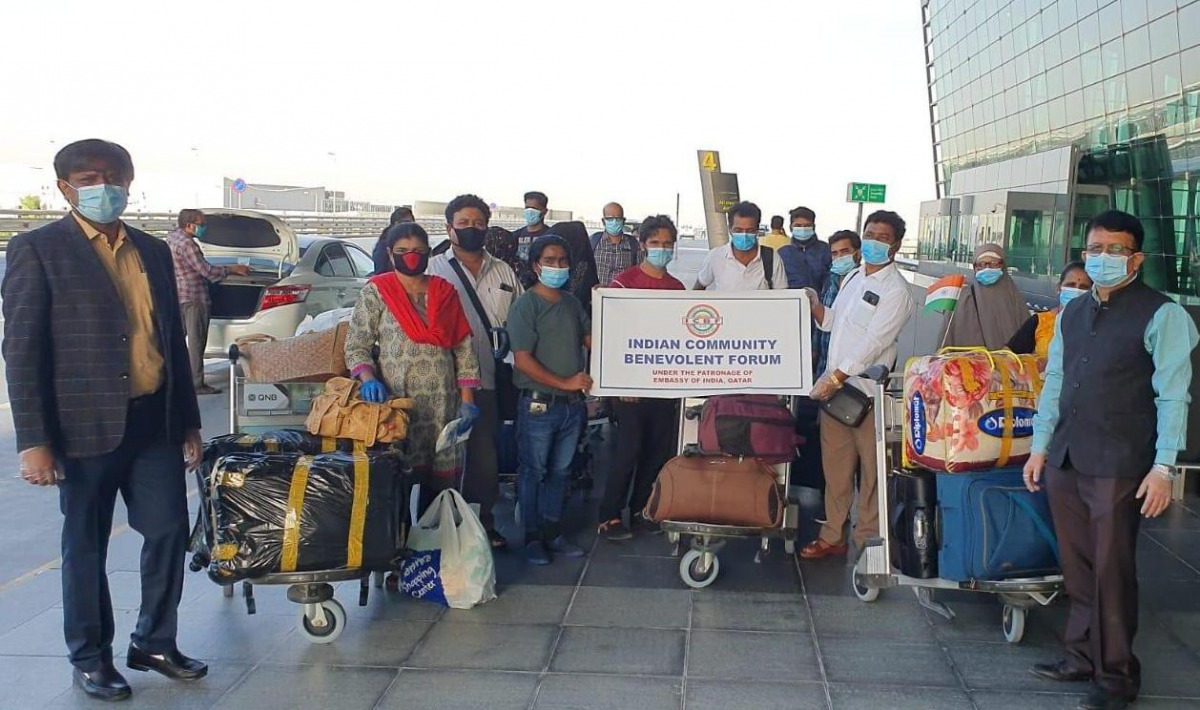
x: 873, y: 571
x: 255, y: 408
x: 700, y: 565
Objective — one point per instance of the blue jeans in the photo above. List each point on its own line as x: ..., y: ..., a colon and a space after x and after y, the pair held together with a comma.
x: 545, y: 449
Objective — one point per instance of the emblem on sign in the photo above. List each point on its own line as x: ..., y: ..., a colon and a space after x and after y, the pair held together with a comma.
x: 702, y: 321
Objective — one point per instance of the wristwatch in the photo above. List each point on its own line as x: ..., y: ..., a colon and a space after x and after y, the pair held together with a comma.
x: 836, y: 380
x: 1168, y: 472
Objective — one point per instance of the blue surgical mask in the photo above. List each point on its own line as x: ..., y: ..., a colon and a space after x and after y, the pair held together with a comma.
x: 843, y: 265
x: 875, y: 252
x: 201, y: 230
x: 987, y: 277
x: 660, y: 257
x: 803, y: 233
x: 613, y: 225
x: 554, y: 277
x: 743, y: 241
x: 102, y: 204
x: 1068, y: 293
x: 1106, y: 269
x: 532, y: 216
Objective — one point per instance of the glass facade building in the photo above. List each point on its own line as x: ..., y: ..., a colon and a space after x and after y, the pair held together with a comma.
x: 1046, y: 112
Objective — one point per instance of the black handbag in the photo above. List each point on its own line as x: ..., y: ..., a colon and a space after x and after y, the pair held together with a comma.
x: 849, y: 405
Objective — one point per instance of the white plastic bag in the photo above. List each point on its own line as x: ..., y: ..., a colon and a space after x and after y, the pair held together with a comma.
x: 452, y: 561
x: 324, y: 321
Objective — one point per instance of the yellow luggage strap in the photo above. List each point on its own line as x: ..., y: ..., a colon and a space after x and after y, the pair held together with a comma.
x: 291, y: 519
x: 1007, y: 393
x: 358, y: 513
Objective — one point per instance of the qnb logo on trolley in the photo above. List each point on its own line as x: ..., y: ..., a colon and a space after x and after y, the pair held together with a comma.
x: 703, y: 321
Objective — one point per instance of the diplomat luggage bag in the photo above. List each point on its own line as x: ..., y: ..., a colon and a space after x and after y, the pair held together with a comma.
x: 717, y: 490
x: 993, y: 528
x: 755, y: 425
x: 912, y: 499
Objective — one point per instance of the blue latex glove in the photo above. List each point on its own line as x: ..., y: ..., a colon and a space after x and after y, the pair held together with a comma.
x: 468, y: 414
x: 374, y: 391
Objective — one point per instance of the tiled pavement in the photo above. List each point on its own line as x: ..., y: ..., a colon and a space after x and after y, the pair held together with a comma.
x: 619, y: 630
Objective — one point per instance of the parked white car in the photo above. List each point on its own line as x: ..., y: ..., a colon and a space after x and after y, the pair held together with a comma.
x: 290, y: 276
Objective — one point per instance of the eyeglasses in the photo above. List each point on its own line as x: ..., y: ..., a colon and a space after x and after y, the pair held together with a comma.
x: 1112, y: 249
x: 555, y: 263
x: 989, y: 265
x: 402, y: 251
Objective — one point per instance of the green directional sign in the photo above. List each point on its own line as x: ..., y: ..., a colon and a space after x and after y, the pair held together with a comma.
x: 865, y: 192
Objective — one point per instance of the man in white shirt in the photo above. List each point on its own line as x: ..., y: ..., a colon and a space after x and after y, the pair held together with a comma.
x: 495, y: 286
x: 742, y: 265
x: 865, y: 321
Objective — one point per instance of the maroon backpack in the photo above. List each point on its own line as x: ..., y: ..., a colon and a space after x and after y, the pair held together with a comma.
x: 757, y: 425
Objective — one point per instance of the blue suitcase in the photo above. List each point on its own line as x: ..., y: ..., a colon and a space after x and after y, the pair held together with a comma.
x: 993, y: 528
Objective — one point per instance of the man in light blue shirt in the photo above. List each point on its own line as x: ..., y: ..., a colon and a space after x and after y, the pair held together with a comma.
x: 1111, y: 420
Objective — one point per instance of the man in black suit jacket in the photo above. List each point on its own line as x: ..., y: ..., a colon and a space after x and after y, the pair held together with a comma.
x: 102, y: 401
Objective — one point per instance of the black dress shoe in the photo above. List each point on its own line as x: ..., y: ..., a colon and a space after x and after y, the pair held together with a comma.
x: 1100, y: 699
x: 173, y: 664
x: 105, y: 683
x: 1060, y: 671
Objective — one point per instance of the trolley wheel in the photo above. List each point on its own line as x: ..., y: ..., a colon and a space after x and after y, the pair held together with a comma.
x: 227, y: 591
x: 1014, y: 623
x: 864, y: 592
x: 692, y: 571
x: 334, y: 622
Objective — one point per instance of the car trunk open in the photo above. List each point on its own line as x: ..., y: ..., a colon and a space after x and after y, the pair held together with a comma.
x: 261, y: 241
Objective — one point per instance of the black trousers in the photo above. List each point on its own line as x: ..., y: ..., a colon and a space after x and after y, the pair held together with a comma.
x: 148, y: 472
x: 647, y: 431
x: 481, y: 481
x: 1097, y: 520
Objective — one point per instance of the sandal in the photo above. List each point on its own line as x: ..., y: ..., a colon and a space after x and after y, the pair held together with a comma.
x: 614, y: 530
x: 498, y: 541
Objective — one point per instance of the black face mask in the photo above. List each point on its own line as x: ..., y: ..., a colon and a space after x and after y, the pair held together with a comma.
x: 470, y: 238
x: 412, y: 263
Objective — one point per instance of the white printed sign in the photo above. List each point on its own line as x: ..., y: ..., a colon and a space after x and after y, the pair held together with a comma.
x: 669, y: 344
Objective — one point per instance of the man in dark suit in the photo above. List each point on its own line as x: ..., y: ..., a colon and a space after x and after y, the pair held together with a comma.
x: 103, y: 402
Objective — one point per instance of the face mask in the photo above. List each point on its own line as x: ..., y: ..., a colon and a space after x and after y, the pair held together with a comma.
x: 532, y: 216
x: 614, y: 225
x: 1106, y: 269
x: 102, y: 204
x: 1068, y: 294
x: 843, y: 265
x: 554, y: 277
x: 803, y: 233
x: 470, y: 238
x: 987, y: 277
x: 660, y: 257
x: 201, y: 230
x: 411, y: 264
x: 744, y: 241
x: 875, y: 252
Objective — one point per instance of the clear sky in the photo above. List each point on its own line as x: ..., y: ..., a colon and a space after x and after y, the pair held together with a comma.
x: 587, y: 101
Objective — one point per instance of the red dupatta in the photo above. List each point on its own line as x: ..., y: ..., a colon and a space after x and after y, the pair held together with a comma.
x: 447, y: 324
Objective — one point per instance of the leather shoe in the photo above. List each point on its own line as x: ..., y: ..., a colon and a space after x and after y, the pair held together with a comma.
x: 172, y: 664
x: 1100, y: 699
x: 819, y: 549
x: 1060, y: 671
x: 104, y: 683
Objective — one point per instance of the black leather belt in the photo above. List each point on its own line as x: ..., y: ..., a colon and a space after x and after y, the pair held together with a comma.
x: 552, y: 398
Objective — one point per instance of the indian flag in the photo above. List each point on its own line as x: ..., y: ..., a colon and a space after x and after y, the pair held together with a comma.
x: 942, y: 296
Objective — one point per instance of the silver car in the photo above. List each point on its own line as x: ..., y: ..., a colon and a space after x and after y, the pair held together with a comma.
x: 290, y: 276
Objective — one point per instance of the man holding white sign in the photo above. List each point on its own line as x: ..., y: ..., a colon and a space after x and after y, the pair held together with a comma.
x: 646, y: 427
x: 865, y: 320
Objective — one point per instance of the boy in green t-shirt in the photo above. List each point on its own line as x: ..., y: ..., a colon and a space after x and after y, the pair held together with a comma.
x: 548, y: 330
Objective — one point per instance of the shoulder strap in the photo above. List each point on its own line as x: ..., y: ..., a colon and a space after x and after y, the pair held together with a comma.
x: 768, y: 262
x: 1042, y: 528
x: 475, y: 302
x: 595, y: 238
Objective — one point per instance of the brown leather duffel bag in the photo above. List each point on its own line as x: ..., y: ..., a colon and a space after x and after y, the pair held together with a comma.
x: 341, y: 413
x: 718, y: 490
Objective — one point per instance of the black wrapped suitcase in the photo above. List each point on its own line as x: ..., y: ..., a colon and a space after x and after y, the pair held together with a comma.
x: 913, y: 496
